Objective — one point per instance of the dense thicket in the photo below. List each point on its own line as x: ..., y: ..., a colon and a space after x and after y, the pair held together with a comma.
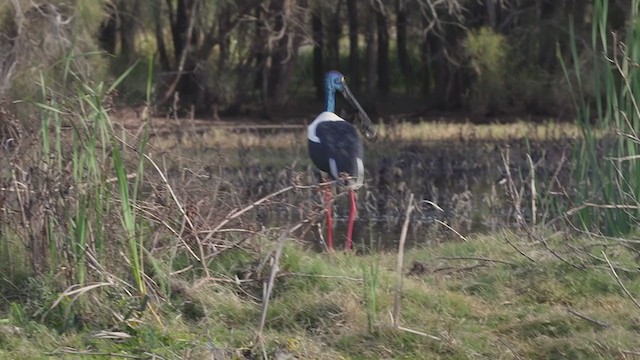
x: 488, y: 57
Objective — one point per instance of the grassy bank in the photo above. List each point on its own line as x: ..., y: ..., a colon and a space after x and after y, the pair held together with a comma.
x: 481, y: 298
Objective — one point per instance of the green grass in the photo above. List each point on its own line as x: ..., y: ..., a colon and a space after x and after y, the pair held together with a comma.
x: 319, y: 310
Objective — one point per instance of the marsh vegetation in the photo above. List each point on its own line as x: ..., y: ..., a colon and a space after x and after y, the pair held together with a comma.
x: 170, y: 231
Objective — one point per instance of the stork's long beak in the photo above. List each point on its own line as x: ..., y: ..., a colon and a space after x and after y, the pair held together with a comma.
x: 366, y: 126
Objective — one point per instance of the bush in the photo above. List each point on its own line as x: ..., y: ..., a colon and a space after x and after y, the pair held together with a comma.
x: 35, y: 37
x: 487, y: 53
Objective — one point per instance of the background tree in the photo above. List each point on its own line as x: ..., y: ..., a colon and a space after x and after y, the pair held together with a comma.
x: 262, y: 55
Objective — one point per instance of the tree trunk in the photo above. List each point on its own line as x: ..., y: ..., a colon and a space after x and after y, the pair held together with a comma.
x: 439, y: 94
x: 401, y: 38
x: 108, y: 34
x: 547, y: 38
x: 285, y: 53
x: 372, y: 49
x: 258, y: 48
x: 129, y: 12
x: 333, y: 39
x: 384, y: 78
x: 318, y: 66
x: 183, y: 31
x: 224, y: 37
x: 492, y: 19
x: 180, y: 25
x: 158, y: 26
x: 425, y: 65
x: 354, y: 61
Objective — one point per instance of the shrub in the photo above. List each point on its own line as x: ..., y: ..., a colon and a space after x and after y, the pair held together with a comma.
x: 487, y: 53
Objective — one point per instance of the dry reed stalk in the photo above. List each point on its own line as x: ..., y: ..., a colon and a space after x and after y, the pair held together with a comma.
x: 416, y: 332
x: 452, y: 229
x: 403, y: 238
x: 533, y: 190
x: 514, y: 194
x: 75, y: 292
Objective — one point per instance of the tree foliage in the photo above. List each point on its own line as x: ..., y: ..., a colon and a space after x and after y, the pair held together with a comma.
x: 491, y: 57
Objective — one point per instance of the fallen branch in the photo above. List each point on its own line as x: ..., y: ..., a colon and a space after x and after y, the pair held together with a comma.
x: 477, y: 258
x: 589, y: 319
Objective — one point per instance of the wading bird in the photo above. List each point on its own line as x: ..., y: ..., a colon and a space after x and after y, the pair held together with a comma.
x: 336, y: 148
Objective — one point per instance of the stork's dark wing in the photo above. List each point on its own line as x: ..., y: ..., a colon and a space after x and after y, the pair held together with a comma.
x: 341, y: 142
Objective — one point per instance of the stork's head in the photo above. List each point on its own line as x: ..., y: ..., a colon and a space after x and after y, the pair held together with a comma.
x: 335, y: 81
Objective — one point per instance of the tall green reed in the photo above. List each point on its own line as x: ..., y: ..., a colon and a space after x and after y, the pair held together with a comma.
x: 609, y: 184
x: 370, y: 288
x: 81, y: 149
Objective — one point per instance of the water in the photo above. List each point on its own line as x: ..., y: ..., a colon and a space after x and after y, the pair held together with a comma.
x: 462, y: 169
x: 465, y: 178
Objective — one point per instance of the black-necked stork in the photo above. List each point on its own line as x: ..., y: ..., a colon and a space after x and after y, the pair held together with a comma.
x: 336, y: 148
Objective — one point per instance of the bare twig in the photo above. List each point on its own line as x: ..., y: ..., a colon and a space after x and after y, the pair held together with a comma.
x: 403, y: 238
x: 269, y: 287
x: 518, y: 250
x: 613, y: 270
x: 184, y: 215
x: 234, y: 214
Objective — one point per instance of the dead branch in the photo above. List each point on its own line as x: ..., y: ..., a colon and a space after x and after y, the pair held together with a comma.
x: 589, y: 319
x: 183, y: 56
x: 518, y: 250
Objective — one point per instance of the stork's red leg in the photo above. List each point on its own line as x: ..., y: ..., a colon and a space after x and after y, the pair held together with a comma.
x: 328, y: 203
x: 352, y: 217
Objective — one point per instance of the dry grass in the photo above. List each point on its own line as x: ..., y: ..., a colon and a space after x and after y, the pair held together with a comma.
x: 243, y: 133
